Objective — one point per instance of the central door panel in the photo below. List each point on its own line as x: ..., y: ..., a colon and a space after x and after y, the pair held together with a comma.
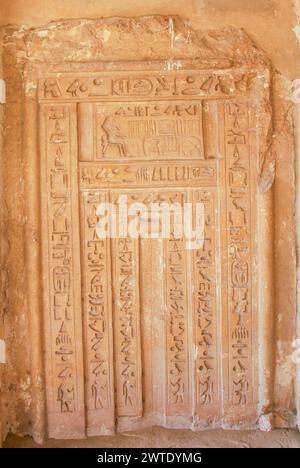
x: 150, y: 303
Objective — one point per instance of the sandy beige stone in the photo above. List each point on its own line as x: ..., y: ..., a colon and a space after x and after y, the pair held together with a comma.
x: 222, y: 77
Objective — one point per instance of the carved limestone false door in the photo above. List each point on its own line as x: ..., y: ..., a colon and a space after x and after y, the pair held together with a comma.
x: 147, y: 331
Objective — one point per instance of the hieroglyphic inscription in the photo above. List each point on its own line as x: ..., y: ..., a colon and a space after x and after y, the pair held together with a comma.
x: 61, y: 257
x: 144, y: 130
x: 239, y: 252
x: 64, y: 355
x: 191, y: 174
x: 120, y: 86
x: 176, y: 297
x: 97, y: 317
x: 156, y: 137
x: 207, y: 373
x: 127, y: 327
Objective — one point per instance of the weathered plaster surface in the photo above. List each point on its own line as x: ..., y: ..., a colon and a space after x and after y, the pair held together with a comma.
x: 270, y: 23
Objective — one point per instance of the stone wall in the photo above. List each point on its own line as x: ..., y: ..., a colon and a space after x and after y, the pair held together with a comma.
x: 270, y: 24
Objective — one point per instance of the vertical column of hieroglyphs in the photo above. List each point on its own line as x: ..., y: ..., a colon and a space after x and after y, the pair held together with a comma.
x: 240, y: 383
x: 176, y: 297
x: 127, y: 331
x: 93, y: 120
x: 96, y: 284
x: 205, y: 314
x: 207, y: 280
x: 98, y: 350
x: 62, y: 311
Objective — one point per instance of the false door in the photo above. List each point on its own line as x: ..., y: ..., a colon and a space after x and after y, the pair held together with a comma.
x: 139, y: 330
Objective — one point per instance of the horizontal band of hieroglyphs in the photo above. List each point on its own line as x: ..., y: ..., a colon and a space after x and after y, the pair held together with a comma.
x: 101, y: 86
x: 95, y: 175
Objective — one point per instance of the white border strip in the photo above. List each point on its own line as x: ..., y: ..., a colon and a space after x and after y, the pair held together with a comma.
x: 2, y: 352
x: 2, y: 92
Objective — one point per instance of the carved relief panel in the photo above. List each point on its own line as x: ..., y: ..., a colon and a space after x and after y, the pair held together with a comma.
x: 145, y: 331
